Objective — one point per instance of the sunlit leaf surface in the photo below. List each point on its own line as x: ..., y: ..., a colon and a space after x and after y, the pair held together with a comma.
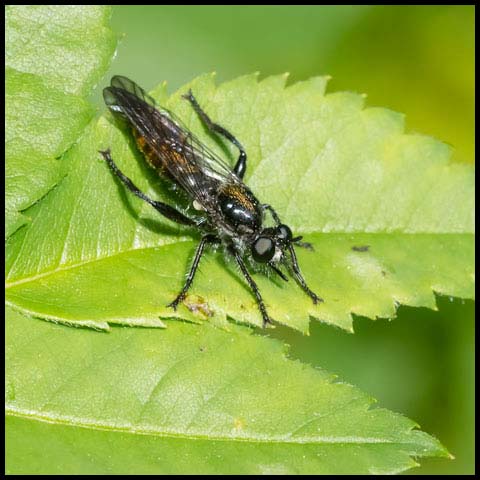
x: 55, y: 56
x: 390, y: 219
x: 189, y: 399
x: 342, y: 175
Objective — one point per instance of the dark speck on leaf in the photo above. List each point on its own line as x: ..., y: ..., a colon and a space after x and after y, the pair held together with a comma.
x: 361, y: 248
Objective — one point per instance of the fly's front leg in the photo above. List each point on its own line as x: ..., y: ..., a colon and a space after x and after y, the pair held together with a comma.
x: 253, y: 285
x: 198, y: 255
x: 277, y: 220
x: 298, y: 275
x: 166, y: 210
x: 241, y: 165
x: 275, y: 216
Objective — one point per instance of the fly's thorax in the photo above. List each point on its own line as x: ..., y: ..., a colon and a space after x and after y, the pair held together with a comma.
x: 239, y: 208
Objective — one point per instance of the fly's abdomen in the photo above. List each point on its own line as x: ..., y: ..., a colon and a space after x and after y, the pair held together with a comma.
x: 152, y: 156
x: 168, y: 160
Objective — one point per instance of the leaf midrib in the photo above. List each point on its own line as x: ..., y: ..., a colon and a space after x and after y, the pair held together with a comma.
x: 82, y: 423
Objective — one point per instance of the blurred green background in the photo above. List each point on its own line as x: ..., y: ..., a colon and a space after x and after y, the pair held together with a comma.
x: 418, y: 60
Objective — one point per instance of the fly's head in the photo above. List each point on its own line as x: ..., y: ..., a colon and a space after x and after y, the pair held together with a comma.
x: 270, y: 244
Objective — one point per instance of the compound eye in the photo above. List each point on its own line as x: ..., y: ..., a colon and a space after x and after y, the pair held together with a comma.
x: 284, y: 233
x: 263, y: 249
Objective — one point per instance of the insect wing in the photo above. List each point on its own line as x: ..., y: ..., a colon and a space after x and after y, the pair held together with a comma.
x: 115, y: 100
x: 191, y: 163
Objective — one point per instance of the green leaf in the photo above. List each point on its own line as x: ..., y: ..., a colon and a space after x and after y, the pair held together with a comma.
x: 68, y: 46
x: 54, y: 57
x: 190, y: 399
x: 342, y: 175
x: 86, y: 253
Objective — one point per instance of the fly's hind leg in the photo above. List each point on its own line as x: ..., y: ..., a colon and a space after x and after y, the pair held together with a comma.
x: 241, y: 165
x: 193, y: 269
x: 166, y: 210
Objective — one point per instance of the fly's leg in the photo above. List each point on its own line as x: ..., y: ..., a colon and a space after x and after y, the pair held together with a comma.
x: 273, y: 212
x: 295, y: 240
x: 253, y: 285
x: 241, y: 165
x: 166, y: 210
x: 298, y: 275
x: 191, y: 274
x: 278, y: 271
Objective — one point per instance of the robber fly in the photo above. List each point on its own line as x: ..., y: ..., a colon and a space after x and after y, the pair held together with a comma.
x: 228, y: 212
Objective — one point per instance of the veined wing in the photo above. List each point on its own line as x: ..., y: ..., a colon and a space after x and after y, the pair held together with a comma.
x: 191, y: 163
